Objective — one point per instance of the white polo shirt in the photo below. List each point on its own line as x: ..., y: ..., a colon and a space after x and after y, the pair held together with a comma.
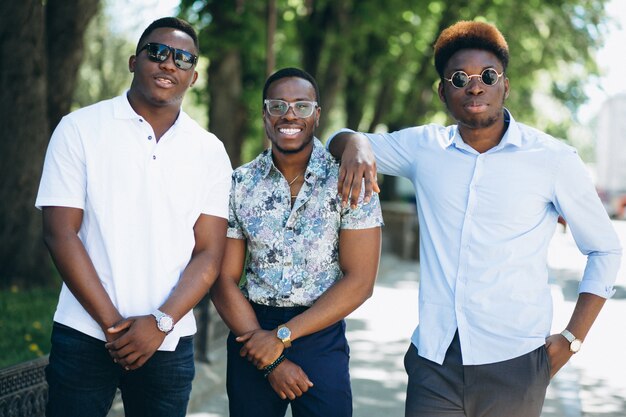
x: 140, y: 199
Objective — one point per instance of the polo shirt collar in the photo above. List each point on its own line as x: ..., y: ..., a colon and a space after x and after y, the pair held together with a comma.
x: 122, y: 108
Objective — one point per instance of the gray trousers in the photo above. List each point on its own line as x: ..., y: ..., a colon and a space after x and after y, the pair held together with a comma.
x: 512, y: 388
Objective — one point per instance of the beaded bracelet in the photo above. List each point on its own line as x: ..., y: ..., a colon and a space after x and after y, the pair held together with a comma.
x: 269, y: 368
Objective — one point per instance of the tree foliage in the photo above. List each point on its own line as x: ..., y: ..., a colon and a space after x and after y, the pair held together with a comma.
x: 373, y: 60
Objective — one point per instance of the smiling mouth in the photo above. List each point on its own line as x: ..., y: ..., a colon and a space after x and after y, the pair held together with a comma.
x: 164, y: 81
x: 290, y: 130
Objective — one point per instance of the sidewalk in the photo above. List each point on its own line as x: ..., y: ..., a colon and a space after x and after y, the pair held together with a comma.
x: 379, y: 333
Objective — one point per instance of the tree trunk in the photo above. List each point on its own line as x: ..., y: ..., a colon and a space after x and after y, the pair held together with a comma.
x: 23, y: 139
x: 25, y: 127
x: 227, y: 115
x: 66, y: 23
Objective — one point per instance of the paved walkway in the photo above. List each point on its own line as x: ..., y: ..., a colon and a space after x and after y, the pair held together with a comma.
x: 592, y: 384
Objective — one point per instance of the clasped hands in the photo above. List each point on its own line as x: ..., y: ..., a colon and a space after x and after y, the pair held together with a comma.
x: 261, y: 348
x: 132, y: 341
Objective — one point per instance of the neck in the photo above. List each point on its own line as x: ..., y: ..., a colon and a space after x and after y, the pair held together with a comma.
x: 483, y: 138
x: 161, y: 118
x: 291, y: 164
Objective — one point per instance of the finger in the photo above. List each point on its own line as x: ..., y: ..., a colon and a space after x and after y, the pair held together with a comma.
x: 371, y: 184
x: 374, y: 175
x: 346, y: 186
x: 244, y: 352
x: 115, y: 346
x: 291, y: 395
x: 244, y: 337
x: 120, y: 326
x: 341, y: 179
x: 357, y: 181
x: 369, y: 187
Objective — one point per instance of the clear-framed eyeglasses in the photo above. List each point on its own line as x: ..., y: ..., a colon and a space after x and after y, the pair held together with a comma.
x: 460, y: 79
x: 279, y: 108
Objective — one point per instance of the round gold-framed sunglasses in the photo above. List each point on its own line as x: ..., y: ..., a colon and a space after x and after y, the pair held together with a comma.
x: 460, y: 79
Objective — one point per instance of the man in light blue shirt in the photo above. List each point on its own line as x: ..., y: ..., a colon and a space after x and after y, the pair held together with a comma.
x: 489, y: 191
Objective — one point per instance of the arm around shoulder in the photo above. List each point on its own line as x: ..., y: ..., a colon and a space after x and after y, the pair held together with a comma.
x: 358, y: 163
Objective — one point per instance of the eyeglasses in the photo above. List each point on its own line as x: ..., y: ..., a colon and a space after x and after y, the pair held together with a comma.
x: 158, y: 52
x: 460, y: 79
x: 301, y: 109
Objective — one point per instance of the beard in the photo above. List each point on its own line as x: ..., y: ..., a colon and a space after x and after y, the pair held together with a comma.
x: 480, y: 121
x: 292, y: 151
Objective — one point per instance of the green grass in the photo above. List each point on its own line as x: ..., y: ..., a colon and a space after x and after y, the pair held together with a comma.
x: 25, y: 323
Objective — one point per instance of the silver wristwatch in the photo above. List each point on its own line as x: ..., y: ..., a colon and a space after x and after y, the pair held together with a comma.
x: 574, y: 343
x: 164, y: 322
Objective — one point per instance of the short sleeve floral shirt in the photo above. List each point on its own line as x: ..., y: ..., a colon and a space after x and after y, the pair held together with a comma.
x: 293, y: 253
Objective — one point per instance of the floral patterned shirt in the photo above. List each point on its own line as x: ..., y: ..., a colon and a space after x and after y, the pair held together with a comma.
x: 293, y: 253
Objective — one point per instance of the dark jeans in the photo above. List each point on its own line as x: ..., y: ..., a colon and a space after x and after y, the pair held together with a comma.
x: 323, y: 356
x: 512, y: 388
x: 82, y: 379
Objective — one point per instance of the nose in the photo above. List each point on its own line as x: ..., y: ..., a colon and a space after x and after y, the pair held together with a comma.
x: 291, y: 113
x: 169, y: 62
x: 474, y: 86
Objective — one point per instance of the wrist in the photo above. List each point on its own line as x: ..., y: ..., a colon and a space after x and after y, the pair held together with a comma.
x: 270, y: 368
x: 283, y: 333
x: 574, y: 343
x: 164, y: 322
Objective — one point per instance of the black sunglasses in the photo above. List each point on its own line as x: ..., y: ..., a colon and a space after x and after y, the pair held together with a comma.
x: 460, y: 79
x: 159, y: 52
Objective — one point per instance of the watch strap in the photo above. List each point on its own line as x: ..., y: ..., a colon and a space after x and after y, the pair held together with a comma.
x: 574, y: 342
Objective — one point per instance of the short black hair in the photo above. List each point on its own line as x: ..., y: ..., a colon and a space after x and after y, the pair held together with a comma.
x: 291, y: 72
x: 169, y: 22
x: 470, y: 35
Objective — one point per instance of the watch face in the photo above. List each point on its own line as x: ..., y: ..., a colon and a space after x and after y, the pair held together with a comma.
x: 575, y: 345
x: 166, y: 323
x: 283, y: 333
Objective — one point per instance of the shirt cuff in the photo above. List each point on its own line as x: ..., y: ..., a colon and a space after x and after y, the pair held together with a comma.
x: 332, y: 136
x: 596, y: 288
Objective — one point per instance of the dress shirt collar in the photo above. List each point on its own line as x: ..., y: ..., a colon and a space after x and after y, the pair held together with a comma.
x: 512, y: 136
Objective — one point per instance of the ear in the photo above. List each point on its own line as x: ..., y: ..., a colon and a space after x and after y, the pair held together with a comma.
x: 318, y: 112
x: 441, y: 93
x: 506, y: 88
x: 131, y: 63
x: 194, y: 78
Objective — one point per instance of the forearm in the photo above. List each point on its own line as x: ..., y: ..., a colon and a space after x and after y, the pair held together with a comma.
x: 233, y: 307
x: 78, y: 273
x: 586, y: 311
x: 335, y: 304
x: 194, y: 284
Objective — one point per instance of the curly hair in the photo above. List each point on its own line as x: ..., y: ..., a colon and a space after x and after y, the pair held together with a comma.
x: 469, y: 35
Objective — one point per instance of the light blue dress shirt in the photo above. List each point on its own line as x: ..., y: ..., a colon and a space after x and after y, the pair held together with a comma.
x: 486, y: 221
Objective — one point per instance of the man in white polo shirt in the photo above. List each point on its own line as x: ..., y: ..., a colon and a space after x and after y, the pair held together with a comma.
x: 134, y: 196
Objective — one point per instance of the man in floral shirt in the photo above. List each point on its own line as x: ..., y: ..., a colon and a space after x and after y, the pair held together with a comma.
x: 310, y: 263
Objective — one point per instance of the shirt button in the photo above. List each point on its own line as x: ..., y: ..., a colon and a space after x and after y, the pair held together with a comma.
x: 141, y: 120
x: 149, y: 137
x: 287, y: 263
x: 153, y: 156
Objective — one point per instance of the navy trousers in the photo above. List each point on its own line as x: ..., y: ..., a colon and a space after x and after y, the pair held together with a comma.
x: 82, y: 379
x: 323, y: 356
x: 511, y: 388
